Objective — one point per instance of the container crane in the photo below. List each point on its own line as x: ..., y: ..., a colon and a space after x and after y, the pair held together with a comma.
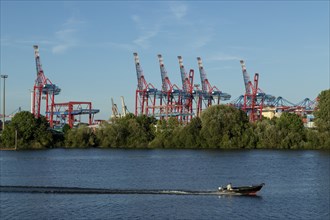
x: 305, y: 106
x: 282, y: 104
x: 43, y: 86
x: 209, y: 93
x: 251, y: 104
x: 238, y: 102
x: 254, y: 97
x: 171, y: 94
x: 144, y: 93
x: 123, y: 106
x: 114, y: 108
x: 188, y: 90
x: 246, y: 77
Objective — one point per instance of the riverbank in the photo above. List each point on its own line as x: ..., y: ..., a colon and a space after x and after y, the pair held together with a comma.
x: 7, y: 149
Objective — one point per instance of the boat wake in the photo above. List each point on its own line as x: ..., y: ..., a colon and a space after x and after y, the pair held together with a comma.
x: 78, y: 190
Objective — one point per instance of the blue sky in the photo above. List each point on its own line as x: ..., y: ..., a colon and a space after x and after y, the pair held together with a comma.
x: 86, y: 47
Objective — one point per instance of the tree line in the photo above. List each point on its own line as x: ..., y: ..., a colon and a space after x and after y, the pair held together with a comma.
x: 219, y: 127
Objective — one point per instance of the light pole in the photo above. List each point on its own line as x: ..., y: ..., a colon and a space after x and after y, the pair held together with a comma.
x: 4, y: 101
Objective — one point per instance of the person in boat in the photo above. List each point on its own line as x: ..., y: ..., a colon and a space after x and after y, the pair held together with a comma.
x: 229, y: 187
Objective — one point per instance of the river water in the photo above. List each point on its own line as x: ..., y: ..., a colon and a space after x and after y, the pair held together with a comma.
x: 296, y: 184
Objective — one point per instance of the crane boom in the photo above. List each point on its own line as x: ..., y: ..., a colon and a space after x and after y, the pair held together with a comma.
x: 114, y: 108
x: 184, y: 77
x: 139, y: 71
x: 163, y: 73
x: 41, y: 79
x: 246, y: 78
x: 202, y: 74
x: 123, y: 106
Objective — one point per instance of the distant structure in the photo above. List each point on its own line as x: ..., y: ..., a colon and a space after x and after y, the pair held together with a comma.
x: 115, y: 112
x: 123, y: 107
x: 114, y: 108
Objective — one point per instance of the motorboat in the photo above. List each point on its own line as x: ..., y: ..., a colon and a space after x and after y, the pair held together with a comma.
x: 241, y: 190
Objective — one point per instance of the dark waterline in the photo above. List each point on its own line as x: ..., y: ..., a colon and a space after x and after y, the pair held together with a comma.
x: 297, y: 184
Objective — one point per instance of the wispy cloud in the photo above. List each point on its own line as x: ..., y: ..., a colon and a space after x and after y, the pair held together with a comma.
x: 172, y: 24
x: 201, y: 40
x: 73, y: 21
x: 178, y: 9
x: 147, y: 31
x: 66, y: 37
x: 223, y: 57
x: 144, y: 40
x: 124, y: 46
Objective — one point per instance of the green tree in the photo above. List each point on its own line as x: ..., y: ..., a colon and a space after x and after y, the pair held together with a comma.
x: 313, y: 139
x: 106, y: 135
x: 164, y: 135
x: 130, y: 131
x: 32, y: 133
x: 190, y: 135
x: 266, y: 133
x: 322, y: 115
x: 144, y: 131
x: 81, y: 137
x: 321, y: 139
x: 290, y: 131
x: 223, y: 127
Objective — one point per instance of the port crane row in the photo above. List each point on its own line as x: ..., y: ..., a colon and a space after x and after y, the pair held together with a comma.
x: 183, y: 102
x: 189, y: 100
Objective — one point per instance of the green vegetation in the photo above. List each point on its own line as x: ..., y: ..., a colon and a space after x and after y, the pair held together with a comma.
x: 323, y: 119
x: 31, y: 132
x: 224, y: 127
x: 220, y: 127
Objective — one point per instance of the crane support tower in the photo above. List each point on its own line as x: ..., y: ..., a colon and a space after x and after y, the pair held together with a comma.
x: 43, y: 89
x: 66, y: 112
x: 238, y: 102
